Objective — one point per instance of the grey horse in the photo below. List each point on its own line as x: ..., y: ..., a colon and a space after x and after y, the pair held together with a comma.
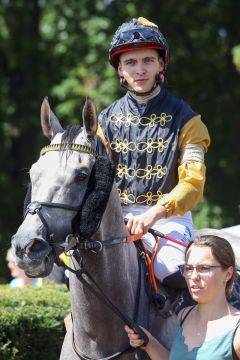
x: 60, y: 201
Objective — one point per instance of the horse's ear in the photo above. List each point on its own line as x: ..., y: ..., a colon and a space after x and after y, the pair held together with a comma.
x: 90, y: 119
x: 50, y: 124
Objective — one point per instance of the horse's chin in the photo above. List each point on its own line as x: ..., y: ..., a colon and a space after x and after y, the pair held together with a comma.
x: 42, y: 269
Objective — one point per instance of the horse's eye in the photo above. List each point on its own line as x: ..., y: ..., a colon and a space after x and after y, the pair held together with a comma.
x: 80, y: 176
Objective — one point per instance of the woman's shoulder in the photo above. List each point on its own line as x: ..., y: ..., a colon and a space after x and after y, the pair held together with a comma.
x: 183, y: 313
x: 236, y: 336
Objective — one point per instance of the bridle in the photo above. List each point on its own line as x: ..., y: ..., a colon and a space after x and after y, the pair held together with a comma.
x: 37, y: 207
x: 76, y: 243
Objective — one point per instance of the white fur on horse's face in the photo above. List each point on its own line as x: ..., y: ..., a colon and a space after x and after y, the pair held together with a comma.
x: 61, y: 178
x: 57, y: 177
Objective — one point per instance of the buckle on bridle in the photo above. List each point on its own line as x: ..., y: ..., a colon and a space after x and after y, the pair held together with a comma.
x: 97, y: 247
x: 70, y: 242
x: 94, y: 246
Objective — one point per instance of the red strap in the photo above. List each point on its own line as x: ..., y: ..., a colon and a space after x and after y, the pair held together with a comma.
x: 150, y: 259
x: 179, y: 242
x: 150, y: 262
x: 136, y: 237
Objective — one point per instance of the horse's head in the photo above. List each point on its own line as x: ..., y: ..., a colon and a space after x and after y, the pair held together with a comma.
x: 60, y: 182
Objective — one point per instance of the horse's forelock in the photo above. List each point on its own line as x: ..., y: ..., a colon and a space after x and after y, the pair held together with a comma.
x: 70, y: 134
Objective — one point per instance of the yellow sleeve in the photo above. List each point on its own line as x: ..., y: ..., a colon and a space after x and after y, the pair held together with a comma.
x: 189, y: 190
x: 191, y: 174
x: 194, y: 132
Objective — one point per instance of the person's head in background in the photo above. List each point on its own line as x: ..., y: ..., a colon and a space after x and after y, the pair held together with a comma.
x: 18, y: 275
x: 210, y: 268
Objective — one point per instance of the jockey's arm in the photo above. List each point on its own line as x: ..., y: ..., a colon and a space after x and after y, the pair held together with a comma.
x: 193, y: 143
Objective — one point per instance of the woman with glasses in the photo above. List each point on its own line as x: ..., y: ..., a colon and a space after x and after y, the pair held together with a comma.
x: 209, y: 330
x: 157, y: 143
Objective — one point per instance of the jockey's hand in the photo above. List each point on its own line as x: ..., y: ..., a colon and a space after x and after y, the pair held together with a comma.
x: 141, y: 223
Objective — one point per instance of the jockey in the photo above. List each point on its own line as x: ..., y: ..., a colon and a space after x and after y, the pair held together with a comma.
x: 157, y: 143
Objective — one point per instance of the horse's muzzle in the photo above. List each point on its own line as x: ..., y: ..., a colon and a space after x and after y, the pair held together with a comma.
x: 35, y: 258
x: 37, y: 249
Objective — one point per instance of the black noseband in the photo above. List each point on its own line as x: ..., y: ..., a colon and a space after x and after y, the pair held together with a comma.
x: 36, y: 207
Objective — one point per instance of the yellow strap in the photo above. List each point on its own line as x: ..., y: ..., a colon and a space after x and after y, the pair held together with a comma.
x: 64, y: 258
x: 103, y: 138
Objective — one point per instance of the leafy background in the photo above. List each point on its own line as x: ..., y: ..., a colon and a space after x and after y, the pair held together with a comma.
x: 60, y: 49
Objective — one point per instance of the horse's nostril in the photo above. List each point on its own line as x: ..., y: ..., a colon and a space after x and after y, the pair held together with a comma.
x: 37, y: 248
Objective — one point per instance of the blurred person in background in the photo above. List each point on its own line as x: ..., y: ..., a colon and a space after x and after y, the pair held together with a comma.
x: 20, y: 279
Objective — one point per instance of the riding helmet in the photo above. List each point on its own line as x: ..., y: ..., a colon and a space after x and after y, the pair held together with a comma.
x: 137, y: 34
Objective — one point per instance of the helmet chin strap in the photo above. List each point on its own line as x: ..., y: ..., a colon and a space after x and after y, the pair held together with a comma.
x: 158, y: 81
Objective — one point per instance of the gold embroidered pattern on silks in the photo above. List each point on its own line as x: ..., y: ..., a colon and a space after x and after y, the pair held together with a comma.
x: 125, y: 197
x: 149, y: 145
x: 123, y: 146
x: 149, y: 198
x: 147, y: 173
x: 131, y: 119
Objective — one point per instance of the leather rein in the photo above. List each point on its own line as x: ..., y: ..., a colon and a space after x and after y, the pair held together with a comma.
x: 76, y: 243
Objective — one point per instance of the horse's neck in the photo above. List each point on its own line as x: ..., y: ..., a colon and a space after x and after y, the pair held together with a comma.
x: 112, y: 224
x: 98, y: 331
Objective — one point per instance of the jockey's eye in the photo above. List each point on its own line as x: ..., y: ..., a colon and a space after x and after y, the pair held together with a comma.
x: 80, y: 176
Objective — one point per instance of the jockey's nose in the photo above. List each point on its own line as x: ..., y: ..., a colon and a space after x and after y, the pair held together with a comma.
x: 140, y: 69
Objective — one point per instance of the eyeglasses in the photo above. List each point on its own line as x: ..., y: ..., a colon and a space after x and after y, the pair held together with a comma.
x: 203, y: 270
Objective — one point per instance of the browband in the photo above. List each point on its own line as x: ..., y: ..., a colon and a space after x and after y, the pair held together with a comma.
x: 74, y: 147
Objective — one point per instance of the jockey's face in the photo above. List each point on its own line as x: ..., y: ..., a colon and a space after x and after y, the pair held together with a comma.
x: 139, y: 68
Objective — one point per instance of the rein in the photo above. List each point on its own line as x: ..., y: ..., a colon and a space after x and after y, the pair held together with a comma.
x: 87, y: 280
x: 76, y: 242
x: 73, y: 242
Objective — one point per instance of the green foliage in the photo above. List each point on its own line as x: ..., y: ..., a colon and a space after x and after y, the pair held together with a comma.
x: 236, y: 56
x: 31, y: 322
x: 206, y: 215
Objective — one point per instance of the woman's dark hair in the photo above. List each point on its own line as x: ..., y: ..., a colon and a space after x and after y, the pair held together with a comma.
x: 222, y: 251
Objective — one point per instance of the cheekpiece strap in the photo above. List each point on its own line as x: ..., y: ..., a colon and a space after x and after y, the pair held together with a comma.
x: 74, y: 147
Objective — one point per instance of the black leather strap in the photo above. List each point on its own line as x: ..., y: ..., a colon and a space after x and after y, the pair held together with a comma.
x: 234, y: 354
x: 185, y: 315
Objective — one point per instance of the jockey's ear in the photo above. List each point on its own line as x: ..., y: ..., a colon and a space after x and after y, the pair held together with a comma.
x: 90, y: 119
x: 50, y: 124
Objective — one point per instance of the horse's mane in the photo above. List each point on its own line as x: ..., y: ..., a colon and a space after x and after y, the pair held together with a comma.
x: 70, y: 134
